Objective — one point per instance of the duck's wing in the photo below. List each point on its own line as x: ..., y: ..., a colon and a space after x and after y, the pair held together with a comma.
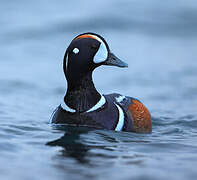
x: 138, y: 118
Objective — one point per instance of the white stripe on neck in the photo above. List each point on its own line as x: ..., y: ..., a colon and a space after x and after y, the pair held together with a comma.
x: 120, y: 120
x: 66, y: 108
x: 99, y: 104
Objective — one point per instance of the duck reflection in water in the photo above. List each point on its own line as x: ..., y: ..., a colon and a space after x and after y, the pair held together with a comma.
x: 72, y: 143
x: 85, y: 144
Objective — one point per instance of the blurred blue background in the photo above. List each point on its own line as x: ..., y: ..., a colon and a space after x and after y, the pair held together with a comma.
x: 158, y: 39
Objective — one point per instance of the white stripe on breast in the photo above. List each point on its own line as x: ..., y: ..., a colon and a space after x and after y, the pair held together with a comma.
x: 66, y: 108
x: 120, y: 120
x: 99, y: 104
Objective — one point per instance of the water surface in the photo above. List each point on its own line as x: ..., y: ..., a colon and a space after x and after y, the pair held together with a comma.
x: 157, y: 40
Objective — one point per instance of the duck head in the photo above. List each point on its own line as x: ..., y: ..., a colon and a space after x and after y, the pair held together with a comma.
x: 86, y: 52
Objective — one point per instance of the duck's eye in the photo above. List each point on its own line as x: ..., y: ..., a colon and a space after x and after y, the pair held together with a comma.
x: 76, y: 50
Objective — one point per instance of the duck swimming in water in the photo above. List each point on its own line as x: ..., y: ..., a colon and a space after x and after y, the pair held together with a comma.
x: 83, y: 105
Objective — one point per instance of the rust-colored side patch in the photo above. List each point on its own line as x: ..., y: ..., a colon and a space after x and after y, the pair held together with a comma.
x: 140, y: 116
x: 85, y: 36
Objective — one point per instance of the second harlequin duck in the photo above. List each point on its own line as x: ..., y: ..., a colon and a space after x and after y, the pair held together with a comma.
x: 83, y: 105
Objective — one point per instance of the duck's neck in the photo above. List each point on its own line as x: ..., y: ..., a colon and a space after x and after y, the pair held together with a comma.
x: 81, y: 94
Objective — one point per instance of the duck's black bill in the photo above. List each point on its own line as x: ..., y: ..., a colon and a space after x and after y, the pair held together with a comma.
x: 112, y: 60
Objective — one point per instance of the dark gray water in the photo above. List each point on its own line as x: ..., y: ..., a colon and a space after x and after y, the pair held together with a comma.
x: 158, y: 39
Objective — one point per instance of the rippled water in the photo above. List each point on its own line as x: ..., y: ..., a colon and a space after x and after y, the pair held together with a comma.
x: 158, y: 39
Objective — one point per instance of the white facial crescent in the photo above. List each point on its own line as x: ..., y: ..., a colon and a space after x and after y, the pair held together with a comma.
x: 102, y: 52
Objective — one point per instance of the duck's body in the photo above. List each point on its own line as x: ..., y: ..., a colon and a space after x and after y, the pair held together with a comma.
x: 83, y: 105
x: 118, y: 113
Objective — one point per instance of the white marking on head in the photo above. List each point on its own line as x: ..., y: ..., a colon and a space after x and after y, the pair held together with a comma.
x: 102, y: 52
x: 120, y: 119
x: 99, y: 104
x: 76, y: 50
x: 66, y: 60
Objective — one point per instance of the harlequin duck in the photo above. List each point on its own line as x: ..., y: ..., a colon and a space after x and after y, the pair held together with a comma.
x: 83, y: 105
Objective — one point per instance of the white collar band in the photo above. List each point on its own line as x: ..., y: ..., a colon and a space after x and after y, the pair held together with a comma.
x: 66, y: 108
x: 99, y: 104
